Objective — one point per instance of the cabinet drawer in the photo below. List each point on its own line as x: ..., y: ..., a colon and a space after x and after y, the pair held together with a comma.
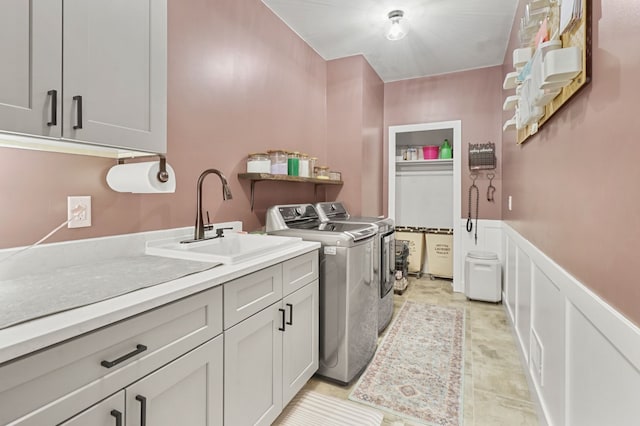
x: 299, y: 271
x: 247, y: 295
x: 59, y: 372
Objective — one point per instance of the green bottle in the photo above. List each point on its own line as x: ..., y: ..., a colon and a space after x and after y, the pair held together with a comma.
x: 445, y: 150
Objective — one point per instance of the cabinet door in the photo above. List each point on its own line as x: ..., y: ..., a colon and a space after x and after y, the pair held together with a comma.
x: 115, y: 60
x: 253, y: 369
x: 31, y: 52
x: 187, y: 391
x: 109, y: 412
x: 300, y: 340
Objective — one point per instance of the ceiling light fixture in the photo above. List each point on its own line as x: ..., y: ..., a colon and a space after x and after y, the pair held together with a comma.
x: 396, y: 32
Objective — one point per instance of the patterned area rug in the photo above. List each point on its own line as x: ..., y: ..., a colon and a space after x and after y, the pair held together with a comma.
x: 417, y: 371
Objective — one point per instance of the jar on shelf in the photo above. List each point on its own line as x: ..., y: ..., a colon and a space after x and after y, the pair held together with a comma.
x: 303, y: 166
x: 312, y: 166
x: 403, y: 153
x: 333, y: 175
x: 278, y: 162
x: 258, y: 162
x: 412, y: 153
x: 293, y: 164
x: 321, y: 172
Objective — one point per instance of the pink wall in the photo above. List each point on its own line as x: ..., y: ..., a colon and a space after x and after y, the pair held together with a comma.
x: 344, y: 124
x: 474, y: 97
x: 372, y: 144
x: 240, y: 81
x: 575, y: 184
x: 354, y: 133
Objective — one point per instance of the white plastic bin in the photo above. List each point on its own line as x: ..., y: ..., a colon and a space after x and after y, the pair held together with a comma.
x: 483, y: 276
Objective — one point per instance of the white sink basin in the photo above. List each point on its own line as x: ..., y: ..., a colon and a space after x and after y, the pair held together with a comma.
x: 230, y: 249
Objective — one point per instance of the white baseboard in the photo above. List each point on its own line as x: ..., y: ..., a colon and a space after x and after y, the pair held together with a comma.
x: 582, y: 356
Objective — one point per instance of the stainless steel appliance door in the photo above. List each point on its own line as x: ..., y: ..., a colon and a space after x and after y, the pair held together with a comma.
x: 387, y: 262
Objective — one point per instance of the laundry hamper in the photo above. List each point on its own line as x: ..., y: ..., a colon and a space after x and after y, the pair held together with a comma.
x: 440, y: 252
x: 415, y: 237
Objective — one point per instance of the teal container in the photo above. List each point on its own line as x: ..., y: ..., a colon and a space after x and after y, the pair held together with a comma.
x: 445, y: 150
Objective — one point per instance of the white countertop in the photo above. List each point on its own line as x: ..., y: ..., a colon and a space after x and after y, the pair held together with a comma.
x: 30, y: 336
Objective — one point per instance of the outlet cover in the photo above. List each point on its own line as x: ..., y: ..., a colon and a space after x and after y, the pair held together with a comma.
x: 84, y: 220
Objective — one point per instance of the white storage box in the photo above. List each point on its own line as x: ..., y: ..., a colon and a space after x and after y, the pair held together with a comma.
x: 483, y: 276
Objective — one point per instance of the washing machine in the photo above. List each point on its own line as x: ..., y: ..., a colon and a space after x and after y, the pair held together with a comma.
x: 348, y: 293
x: 384, y: 252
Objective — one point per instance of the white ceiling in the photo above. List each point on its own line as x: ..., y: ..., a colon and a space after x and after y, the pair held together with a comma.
x: 443, y: 35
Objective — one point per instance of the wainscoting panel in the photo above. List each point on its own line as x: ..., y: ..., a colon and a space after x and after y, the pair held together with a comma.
x: 523, y: 300
x: 582, y: 356
x: 604, y: 388
x: 509, y: 283
x: 547, y: 345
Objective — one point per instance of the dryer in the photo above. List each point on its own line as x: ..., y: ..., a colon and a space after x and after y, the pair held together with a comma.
x: 384, y: 249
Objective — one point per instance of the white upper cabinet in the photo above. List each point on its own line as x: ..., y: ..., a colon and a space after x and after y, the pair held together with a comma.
x: 105, y: 63
x: 114, y: 81
x: 31, y: 69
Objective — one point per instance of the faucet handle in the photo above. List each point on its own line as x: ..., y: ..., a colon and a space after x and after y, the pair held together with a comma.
x: 220, y: 231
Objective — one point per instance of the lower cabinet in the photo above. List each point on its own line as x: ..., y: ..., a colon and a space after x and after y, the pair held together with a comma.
x: 186, y: 391
x: 109, y: 412
x: 300, y: 340
x: 184, y: 363
x: 269, y: 357
x: 253, y: 369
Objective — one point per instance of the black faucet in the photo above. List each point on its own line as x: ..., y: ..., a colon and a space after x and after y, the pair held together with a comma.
x: 226, y: 195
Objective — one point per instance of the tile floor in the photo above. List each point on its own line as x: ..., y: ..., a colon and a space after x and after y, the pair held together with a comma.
x: 495, y: 387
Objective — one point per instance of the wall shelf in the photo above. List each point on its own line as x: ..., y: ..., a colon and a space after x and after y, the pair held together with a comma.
x: 437, y: 165
x: 443, y: 161
x: 258, y: 177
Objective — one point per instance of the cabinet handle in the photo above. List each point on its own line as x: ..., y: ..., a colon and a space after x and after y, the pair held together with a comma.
x: 118, y: 415
x: 139, y: 349
x: 290, y: 322
x: 54, y: 108
x: 78, y: 100
x: 283, y: 321
x: 143, y: 409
